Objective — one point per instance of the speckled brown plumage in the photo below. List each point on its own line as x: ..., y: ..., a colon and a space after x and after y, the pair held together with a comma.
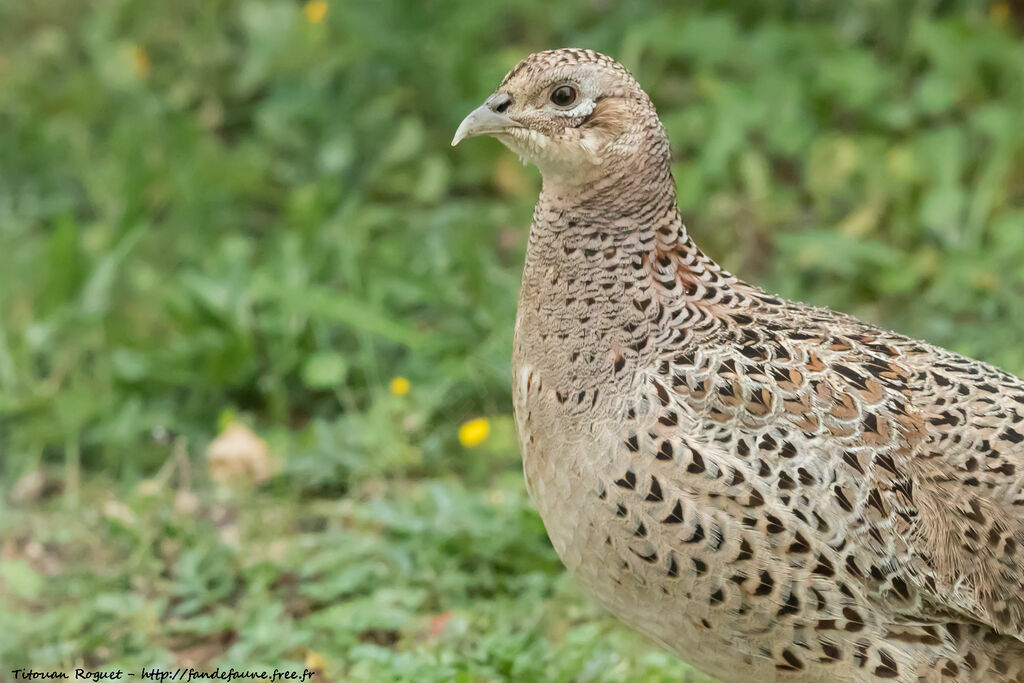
x: 771, y: 490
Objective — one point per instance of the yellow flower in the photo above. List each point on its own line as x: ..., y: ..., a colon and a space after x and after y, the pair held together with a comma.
x: 474, y: 432
x: 140, y: 62
x: 399, y: 386
x: 999, y: 12
x: 315, y: 11
x: 314, y: 661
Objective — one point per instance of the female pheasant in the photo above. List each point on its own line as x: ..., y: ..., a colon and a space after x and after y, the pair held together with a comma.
x: 771, y: 490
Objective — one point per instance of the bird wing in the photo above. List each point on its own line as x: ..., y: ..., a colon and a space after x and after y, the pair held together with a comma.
x: 970, y: 492
x: 855, y: 457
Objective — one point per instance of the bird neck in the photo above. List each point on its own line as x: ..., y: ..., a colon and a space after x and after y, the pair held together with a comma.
x: 621, y: 222
x: 607, y: 269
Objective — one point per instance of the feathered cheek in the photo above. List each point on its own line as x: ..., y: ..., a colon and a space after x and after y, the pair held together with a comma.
x: 563, y: 148
x: 571, y: 148
x: 528, y: 144
x: 591, y: 147
x: 572, y: 120
x: 584, y: 109
x: 558, y: 144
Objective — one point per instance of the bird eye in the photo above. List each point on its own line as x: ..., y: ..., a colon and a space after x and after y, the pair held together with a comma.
x: 564, y: 95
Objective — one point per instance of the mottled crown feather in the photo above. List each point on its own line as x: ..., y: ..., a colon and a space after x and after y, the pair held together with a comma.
x: 566, y: 56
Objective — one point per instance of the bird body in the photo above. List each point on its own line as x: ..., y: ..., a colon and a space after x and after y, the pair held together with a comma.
x: 771, y: 490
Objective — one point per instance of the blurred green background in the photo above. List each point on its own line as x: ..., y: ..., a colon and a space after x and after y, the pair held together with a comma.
x: 256, y: 315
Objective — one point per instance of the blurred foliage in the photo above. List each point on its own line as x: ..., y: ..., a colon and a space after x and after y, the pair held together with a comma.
x: 214, y: 210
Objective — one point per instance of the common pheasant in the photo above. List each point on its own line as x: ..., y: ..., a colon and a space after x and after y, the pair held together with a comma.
x: 771, y: 490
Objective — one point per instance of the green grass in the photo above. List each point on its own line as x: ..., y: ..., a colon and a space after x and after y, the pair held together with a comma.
x: 216, y: 211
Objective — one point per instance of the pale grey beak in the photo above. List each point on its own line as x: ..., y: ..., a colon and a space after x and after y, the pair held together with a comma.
x: 487, y: 119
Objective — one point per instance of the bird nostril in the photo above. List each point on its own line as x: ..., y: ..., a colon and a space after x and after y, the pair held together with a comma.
x: 500, y: 103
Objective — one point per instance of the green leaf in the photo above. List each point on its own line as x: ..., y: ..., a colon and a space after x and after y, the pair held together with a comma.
x: 323, y: 304
x: 19, y: 579
x: 324, y: 370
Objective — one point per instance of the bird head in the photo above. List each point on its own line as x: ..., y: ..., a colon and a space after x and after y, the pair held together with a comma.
x: 576, y: 114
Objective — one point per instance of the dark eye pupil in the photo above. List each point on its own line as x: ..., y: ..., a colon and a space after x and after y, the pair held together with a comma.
x: 563, y: 96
